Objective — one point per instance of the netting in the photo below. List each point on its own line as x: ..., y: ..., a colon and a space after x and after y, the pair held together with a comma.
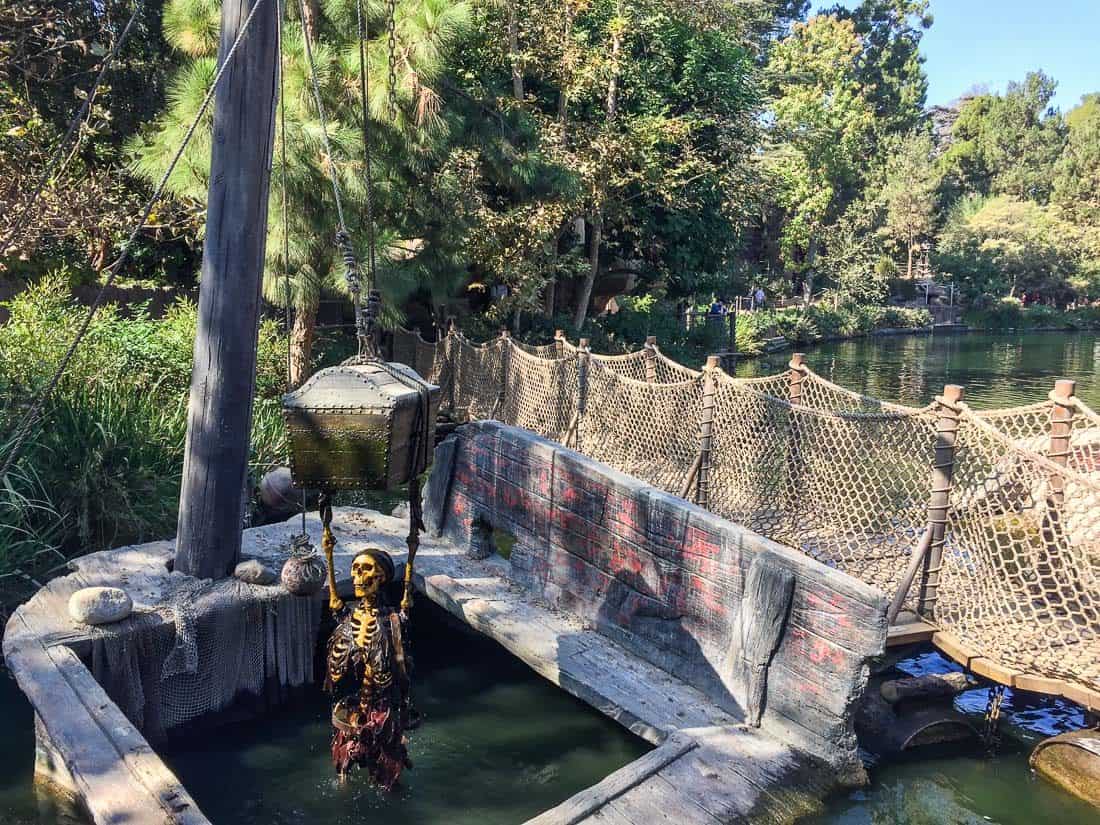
x: 219, y: 642
x: 843, y: 477
x: 1021, y: 572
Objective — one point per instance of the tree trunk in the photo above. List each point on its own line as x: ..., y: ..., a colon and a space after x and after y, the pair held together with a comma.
x: 513, y: 52
x: 808, y: 278
x: 301, y: 343
x: 311, y: 18
x: 909, y: 268
x: 594, y: 239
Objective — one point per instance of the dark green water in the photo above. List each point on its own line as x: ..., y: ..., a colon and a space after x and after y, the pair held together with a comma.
x: 498, y: 744
x: 996, y: 370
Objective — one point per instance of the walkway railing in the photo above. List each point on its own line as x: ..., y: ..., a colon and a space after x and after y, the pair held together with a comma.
x: 986, y: 523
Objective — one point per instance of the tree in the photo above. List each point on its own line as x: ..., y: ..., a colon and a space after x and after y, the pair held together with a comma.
x: 1077, y: 173
x: 301, y: 250
x: 821, y: 134
x: 910, y: 193
x: 49, y: 54
x: 1007, y: 144
x: 891, y: 66
x: 1004, y: 247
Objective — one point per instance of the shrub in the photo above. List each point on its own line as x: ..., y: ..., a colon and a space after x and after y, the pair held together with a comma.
x: 103, y: 467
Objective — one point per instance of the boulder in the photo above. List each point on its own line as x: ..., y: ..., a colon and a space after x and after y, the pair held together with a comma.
x: 401, y: 510
x: 254, y: 571
x: 100, y: 605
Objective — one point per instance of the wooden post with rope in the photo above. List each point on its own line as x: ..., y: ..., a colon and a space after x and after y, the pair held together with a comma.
x: 943, y: 469
x: 505, y: 359
x: 1061, y: 429
x: 796, y: 378
x: 650, y: 352
x: 706, y: 431
x: 559, y: 343
x: 573, y: 434
x: 223, y: 382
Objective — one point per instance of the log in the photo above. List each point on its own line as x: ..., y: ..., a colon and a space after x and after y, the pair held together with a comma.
x: 223, y: 381
x: 764, y: 608
x: 929, y: 686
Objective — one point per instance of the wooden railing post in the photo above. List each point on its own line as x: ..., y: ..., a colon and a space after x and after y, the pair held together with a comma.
x: 706, y: 430
x: 1061, y: 430
x: 559, y: 343
x: 650, y: 352
x: 943, y: 469
x: 796, y: 378
x: 584, y: 355
x: 505, y: 358
x: 449, y: 352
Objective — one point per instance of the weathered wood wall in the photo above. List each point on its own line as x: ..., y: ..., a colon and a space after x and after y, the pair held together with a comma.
x: 666, y: 579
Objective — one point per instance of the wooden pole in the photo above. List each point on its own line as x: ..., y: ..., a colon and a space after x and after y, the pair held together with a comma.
x: 1061, y: 429
x: 559, y: 343
x: 796, y: 377
x: 706, y: 431
x: 943, y: 468
x: 505, y: 358
x: 223, y: 380
x: 583, y: 356
x: 650, y: 352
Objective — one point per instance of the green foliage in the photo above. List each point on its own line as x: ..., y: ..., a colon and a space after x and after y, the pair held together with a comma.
x: 1009, y: 313
x: 997, y: 246
x: 104, y: 466
x: 1077, y: 174
x: 1007, y: 144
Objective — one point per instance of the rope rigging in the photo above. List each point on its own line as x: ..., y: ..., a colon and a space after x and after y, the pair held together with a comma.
x: 30, y: 418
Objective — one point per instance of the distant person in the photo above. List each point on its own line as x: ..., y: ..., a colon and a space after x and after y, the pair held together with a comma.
x: 717, y: 308
x: 758, y: 299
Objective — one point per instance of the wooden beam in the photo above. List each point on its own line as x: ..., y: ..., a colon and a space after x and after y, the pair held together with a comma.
x: 223, y: 381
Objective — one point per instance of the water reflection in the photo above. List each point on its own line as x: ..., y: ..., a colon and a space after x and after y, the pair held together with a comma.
x: 996, y: 370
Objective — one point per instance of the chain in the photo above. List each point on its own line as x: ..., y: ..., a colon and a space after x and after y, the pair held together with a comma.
x: 391, y: 28
x: 991, y: 734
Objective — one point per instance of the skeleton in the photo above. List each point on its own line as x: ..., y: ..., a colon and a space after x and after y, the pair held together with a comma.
x: 367, y: 650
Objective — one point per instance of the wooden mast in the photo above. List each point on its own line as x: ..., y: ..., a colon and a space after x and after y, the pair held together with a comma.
x: 223, y: 381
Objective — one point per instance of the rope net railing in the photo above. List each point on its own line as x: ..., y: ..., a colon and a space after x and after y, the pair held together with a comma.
x: 1013, y: 572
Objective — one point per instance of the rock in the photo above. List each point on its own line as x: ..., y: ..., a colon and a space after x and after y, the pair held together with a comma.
x: 100, y: 605
x: 401, y: 510
x: 254, y: 572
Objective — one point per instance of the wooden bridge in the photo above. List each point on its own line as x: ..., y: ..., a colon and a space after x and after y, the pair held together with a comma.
x: 983, y: 527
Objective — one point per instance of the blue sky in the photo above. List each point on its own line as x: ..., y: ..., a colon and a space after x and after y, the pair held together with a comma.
x: 986, y: 43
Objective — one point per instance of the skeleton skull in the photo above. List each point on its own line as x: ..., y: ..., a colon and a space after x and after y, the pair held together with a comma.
x: 368, y: 575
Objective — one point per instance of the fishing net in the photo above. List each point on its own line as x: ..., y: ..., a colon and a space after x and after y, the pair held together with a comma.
x: 204, y: 647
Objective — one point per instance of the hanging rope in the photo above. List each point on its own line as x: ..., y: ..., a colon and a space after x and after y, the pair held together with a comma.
x: 391, y: 28
x: 78, y: 118
x: 29, y: 419
x: 343, y: 237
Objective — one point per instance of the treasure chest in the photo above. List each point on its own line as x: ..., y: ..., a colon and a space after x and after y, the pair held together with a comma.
x: 360, y: 426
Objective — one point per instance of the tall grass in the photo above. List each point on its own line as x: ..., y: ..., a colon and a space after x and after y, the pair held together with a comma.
x: 103, y: 467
